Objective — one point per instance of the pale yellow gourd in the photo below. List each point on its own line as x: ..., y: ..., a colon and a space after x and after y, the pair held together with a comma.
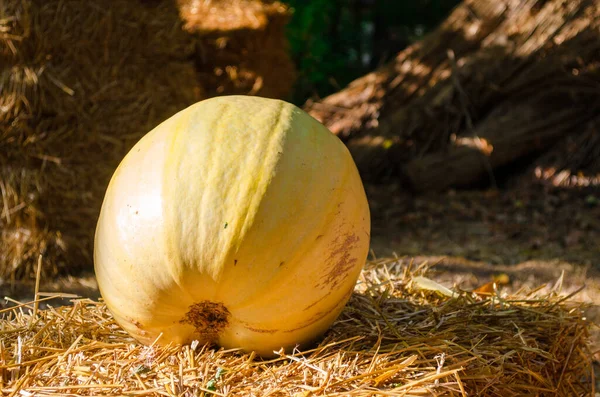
x: 240, y: 221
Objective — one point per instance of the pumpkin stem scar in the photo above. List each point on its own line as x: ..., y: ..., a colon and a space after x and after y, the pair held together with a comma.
x: 209, y: 319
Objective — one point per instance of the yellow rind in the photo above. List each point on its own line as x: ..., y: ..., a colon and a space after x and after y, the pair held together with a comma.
x: 244, y: 201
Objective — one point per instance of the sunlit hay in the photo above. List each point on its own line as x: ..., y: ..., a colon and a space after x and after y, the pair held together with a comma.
x: 392, y: 339
x: 243, y: 47
x: 230, y: 15
x: 83, y: 81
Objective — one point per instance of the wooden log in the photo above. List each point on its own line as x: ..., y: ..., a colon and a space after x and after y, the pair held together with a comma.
x: 492, y: 70
x: 510, y: 132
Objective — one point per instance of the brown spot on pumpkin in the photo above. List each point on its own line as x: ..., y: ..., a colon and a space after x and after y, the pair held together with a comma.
x: 340, y: 262
x: 316, y: 302
x: 137, y: 324
x: 281, y: 263
x: 209, y: 319
x: 319, y: 237
x: 319, y: 315
x: 259, y: 330
x: 344, y: 297
x: 234, y: 262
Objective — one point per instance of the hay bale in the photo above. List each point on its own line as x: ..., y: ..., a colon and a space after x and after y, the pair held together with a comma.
x: 242, y: 47
x: 393, y: 338
x: 83, y: 81
x: 231, y: 15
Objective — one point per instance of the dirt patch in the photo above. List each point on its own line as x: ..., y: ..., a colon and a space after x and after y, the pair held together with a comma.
x: 539, y: 236
x: 507, y: 226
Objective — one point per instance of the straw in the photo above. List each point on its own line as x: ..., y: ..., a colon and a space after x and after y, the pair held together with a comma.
x: 392, y: 339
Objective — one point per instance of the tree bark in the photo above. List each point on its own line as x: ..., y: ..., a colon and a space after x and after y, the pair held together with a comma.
x: 498, y: 80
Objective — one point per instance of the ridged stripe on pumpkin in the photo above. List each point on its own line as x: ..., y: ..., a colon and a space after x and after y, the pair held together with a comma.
x: 255, y: 168
x: 238, y: 180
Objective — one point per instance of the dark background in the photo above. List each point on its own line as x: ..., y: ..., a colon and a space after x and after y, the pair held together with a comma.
x: 336, y: 41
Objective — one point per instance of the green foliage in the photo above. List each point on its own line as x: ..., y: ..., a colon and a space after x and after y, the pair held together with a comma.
x: 335, y: 41
x: 212, y: 383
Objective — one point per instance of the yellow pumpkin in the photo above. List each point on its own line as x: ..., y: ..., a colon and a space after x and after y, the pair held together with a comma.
x: 240, y: 221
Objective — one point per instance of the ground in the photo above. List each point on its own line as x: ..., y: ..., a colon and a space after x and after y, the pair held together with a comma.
x: 535, y: 235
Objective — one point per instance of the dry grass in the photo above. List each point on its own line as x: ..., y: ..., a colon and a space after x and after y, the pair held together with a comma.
x: 393, y: 338
x: 80, y: 83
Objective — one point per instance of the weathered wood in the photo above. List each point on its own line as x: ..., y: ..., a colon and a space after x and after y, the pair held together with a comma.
x: 493, y: 70
x: 497, y: 141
